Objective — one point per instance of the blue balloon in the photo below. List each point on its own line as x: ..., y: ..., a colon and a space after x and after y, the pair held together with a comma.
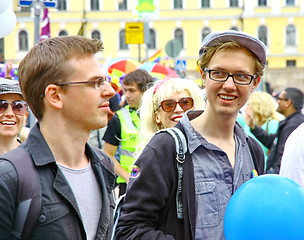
x: 267, y: 207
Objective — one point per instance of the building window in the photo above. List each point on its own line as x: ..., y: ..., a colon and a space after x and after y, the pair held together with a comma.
x: 2, y: 50
x: 205, y: 3
x: 61, y: 5
x: 178, y: 34
x: 25, y: 9
x: 122, y: 40
x: 262, y: 34
x: 205, y: 32
x: 290, y: 35
x: 291, y: 63
x: 96, y: 34
x: 23, y: 41
x: 290, y: 2
x: 152, y: 43
x: 262, y: 3
x: 178, y: 3
x: 123, y: 5
x: 234, y: 3
x: 95, y: 5
x: 234, y: 28
x: 63, y: 33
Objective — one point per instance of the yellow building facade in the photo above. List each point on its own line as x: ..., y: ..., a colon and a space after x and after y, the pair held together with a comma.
x: 278, y: 23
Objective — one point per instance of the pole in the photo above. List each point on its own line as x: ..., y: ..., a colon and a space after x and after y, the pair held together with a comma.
x: 37, y: 11
x: 139, y: 55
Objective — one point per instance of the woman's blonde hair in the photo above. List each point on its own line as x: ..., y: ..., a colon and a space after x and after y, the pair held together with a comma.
x: 263, y: 107
x: 158, y: 92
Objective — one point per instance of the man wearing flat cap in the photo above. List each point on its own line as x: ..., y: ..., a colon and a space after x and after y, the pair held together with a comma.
x: 220, y: 156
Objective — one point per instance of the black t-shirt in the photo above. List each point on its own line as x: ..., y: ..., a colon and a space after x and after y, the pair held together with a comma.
x: 113, y: 132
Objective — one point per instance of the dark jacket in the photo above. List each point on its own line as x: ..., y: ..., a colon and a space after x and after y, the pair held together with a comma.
x: 277, y: 141
x: 158, y: 166
x: 60, y: 217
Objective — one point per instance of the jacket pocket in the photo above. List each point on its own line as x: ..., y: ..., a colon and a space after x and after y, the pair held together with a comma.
x: 52, y: 212
x: 207, y: 204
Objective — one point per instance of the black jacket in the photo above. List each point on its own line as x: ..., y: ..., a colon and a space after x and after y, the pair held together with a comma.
x: 277, y: 141
x: 159, y: 221
x: 60, y: 217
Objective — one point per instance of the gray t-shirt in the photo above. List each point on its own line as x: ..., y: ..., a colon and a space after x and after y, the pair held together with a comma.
x: 87, y: 193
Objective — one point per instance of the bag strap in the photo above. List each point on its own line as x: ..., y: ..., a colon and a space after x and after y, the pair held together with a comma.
x: 28, y: 195
x: 181, y: 149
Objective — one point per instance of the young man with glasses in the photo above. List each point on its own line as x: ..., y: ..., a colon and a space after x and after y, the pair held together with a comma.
x: 290, y: 104
x: 220, y: 155
x: 62, y: 82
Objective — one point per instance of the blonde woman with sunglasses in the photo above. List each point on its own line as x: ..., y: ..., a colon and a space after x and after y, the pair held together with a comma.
x: 164, y: 104
x: 13, y: 114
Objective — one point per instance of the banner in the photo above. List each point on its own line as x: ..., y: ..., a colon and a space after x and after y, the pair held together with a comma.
x: 45, y: 25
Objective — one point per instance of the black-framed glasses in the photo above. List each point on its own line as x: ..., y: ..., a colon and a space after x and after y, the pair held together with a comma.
x: 222, y: 76
x: 19, y: 107
x: 169, y: 105
x: 98, y: 82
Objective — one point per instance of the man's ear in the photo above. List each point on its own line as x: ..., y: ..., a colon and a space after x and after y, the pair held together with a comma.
x: 256, y: 82
x: 53, y: 96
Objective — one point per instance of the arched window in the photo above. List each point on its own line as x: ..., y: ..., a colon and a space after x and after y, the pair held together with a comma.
x: 205, y: 4
x: 95, y: 5
x: 205, y: 32
x: 122, y: 5
x: 63, y: 33
x: 61, y: 5
x: 96, y: 34
x: 152, y: 44
x: 178, y: 3
x: 23, y: 41
x: 262, y: 34
x: 179, y: 34
x: 290, y: 35
x: 234, y: 28
x: 122, y: 40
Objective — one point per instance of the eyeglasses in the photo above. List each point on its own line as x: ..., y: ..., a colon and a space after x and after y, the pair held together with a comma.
x: 18, y: 107
x: 282, y: 99
x: 169, y: 105
x: 222, y: 76
x: 98, y: 82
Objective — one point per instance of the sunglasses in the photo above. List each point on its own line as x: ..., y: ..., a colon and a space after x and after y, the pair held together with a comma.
x: 18, y: 107
x: 169, y: 105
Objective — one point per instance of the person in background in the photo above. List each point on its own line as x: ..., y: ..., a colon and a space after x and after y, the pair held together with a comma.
x: 122, y: 130
x: 62, y: 82
x: 219, y: 158
x: 290, y: 104
x: 164, y: 104
x: 13, y: 114
x: 261, y: 110
x: 292, y: 165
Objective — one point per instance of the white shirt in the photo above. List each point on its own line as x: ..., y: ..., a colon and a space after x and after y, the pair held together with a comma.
x: 292, y: 165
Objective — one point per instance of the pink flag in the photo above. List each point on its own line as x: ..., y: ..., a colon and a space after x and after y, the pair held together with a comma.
x: 45, y: 25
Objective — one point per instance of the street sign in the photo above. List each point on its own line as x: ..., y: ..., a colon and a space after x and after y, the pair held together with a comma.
x: 135, y: 33
x: 180, y: 65
x: 173, y: 47
x: 46, y: 3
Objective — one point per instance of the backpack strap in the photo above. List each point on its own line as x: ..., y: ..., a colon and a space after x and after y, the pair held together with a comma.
x: 28, y: 196
x: 181, y: 149
x: 258, y: 161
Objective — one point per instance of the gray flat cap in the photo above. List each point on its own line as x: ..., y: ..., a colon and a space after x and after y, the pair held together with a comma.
x: 253, y: 44
x: 9, y: 86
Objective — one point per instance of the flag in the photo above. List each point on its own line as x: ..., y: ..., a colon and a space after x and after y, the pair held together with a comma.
x: 45, y: 25
x: 156, y: 56
x: 82, y: 28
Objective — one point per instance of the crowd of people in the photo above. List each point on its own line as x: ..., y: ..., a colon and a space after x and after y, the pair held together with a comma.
x: 85, y: 142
